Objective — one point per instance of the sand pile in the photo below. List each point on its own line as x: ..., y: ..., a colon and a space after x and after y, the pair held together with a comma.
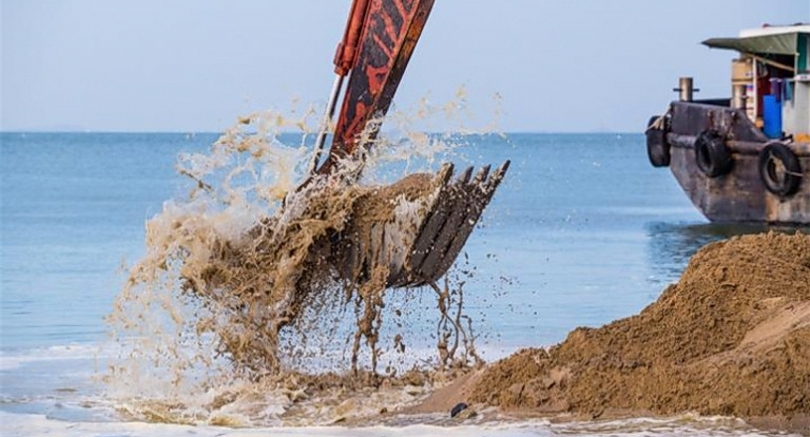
x: 732, y: 337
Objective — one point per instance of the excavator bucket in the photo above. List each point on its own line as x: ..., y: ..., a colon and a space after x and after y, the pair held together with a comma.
x: 419, y: 242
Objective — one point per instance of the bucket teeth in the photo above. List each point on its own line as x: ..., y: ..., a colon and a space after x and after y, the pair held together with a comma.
x: 446, y: 225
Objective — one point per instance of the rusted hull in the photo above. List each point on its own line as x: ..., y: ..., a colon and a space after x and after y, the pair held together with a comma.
x: 738, y: 195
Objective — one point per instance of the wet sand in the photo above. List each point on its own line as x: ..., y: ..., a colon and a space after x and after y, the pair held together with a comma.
x: 731, y: 338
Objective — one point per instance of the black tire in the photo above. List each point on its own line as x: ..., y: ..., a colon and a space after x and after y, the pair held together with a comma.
x: 657, y: 145
x: 779, y: 169
x: 711, y: 154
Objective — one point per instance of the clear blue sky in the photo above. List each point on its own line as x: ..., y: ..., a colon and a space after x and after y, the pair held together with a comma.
x: 196, y: 65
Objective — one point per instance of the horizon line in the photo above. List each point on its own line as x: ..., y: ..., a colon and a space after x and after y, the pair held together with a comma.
x: 211, y: 132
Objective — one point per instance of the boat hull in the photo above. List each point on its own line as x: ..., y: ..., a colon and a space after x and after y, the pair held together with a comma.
x: 738, y: 194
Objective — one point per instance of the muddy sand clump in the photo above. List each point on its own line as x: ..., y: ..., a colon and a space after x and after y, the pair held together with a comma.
x: 731, y: 338
x: 333, y: 246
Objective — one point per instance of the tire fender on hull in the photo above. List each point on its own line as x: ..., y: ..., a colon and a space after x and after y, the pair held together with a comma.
x: 712, y: 155
x: 779, y: 169
x: 657, y: 145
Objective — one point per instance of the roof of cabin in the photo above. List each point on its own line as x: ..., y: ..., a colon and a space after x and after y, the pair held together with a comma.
x: 772, y: 40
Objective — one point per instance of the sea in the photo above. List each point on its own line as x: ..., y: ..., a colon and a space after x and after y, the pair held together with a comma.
x: 582, y: 231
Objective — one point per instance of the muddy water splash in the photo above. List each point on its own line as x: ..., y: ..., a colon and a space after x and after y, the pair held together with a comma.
x: 234, y: 313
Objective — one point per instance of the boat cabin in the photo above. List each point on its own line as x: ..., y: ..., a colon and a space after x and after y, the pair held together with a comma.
x: 771, y: 78
x: 745, y: 158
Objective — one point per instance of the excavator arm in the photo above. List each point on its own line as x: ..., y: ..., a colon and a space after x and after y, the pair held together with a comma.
x: 377, y: 44
x: 414, y: 248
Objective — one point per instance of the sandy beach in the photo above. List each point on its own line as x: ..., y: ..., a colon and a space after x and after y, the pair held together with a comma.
x: 731, y: 338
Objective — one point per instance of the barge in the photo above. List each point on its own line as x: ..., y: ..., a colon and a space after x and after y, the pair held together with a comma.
x: 745, y: 158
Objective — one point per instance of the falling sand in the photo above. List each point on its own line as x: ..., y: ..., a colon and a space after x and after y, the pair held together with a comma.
x: 248, y: 285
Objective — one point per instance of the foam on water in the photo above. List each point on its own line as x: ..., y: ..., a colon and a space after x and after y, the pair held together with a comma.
x: 11, y: 360
x: 25, y: 425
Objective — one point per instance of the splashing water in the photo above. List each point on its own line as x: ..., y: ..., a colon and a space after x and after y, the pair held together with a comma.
x: 235, y: 314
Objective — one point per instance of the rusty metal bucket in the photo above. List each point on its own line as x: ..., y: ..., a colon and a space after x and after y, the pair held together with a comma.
x: 419, y: 242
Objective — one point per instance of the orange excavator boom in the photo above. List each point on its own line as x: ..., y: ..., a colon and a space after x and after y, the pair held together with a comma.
x: 379, y: 40
x: 415, y: 249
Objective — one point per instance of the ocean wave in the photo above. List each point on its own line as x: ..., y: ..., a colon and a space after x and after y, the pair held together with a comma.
x: 10, y: 360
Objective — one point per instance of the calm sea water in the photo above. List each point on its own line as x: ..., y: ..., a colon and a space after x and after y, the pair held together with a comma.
x: 583, y: 231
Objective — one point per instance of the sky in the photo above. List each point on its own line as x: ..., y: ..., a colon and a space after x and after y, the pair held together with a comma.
x: 198, y: 65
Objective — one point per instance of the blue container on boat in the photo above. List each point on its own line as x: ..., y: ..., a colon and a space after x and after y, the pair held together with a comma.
x: 772, y: 116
